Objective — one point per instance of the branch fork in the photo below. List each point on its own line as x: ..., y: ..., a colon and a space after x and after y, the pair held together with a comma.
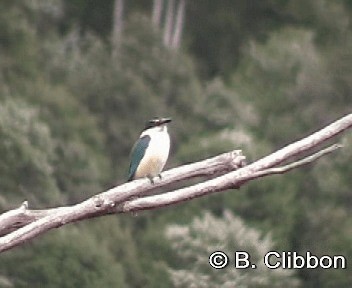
x: 225, y: 171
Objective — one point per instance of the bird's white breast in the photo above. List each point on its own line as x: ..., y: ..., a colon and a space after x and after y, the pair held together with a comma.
x: 156, y: 155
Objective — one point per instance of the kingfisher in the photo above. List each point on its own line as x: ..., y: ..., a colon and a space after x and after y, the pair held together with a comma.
x: 149, y: 154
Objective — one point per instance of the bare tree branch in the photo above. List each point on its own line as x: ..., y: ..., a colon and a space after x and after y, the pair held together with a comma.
x: 23, y: 224
x: 299, y: 163
x: 108, y: 200
x: 216, y: 185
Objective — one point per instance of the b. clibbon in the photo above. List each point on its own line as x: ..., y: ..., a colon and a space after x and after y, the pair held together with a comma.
x: 292, y: 260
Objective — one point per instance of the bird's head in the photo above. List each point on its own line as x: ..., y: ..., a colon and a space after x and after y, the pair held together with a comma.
x: 156, y: 122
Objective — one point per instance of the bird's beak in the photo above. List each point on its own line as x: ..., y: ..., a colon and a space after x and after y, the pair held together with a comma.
x: 165, y: 120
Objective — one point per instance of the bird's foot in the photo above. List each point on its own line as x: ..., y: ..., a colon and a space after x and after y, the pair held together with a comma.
x: 151, y: 179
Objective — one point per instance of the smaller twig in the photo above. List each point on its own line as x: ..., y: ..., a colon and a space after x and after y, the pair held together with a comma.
x: 221, y: 183
x: 305, y: 161
x: 6, y: 219
x: 107, y: 202
x: 16, y: 218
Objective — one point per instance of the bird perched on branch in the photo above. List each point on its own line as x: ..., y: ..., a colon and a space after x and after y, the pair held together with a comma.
x: 150, y: 152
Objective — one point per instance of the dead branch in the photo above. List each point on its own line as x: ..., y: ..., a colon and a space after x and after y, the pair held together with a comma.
x: 216, y: 185
x: 22, y: 224
x: 106, y: 202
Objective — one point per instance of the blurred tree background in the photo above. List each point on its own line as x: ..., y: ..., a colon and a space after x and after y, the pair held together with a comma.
x: 78, y: 79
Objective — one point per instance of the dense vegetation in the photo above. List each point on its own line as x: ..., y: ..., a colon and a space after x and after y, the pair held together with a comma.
x: 253, y: 75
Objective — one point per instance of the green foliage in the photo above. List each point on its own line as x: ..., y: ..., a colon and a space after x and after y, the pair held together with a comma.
x: 64, y: 259
x: 80, y: 164
x: 122, y: 246
x: 27, y: 150
x: 69, y: 114
x: 227, y: 118
x: 218, y: 30
x: 18, y: 42
x: 289, y: 72
x: 195, y: 242
x: 294, y: 90
x: 146, y: 80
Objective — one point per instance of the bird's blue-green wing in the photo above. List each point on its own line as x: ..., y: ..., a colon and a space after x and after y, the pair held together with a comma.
x: 137, y: 155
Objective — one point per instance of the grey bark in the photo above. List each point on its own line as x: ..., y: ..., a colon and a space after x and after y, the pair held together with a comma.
x: 23, y: 224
